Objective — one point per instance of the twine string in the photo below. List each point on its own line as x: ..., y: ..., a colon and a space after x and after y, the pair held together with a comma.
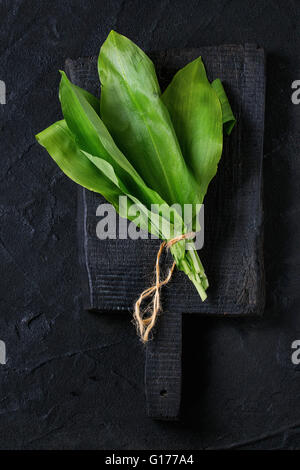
x: 145, y: 322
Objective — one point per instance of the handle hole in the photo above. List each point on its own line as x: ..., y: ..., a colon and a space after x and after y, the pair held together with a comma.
x: 163, y: 392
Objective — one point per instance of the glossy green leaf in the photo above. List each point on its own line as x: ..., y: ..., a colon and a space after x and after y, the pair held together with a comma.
x: 60, y: 144
x: 132, y: 109
x: 155, y: 150
x: 196, y: 114
x: 163, y: 222
x: 93, y: 137
x: 98, y: 175
x: 228, y: 118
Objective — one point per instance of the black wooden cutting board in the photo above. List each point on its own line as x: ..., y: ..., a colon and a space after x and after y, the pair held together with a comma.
x: 115, y: 272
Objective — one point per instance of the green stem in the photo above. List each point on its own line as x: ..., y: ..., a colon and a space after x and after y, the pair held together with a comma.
x: 198, y: 283
x: 195, y: 261
x: 191, y: 265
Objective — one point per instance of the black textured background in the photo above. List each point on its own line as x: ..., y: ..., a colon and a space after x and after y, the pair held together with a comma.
x: 75, y: 380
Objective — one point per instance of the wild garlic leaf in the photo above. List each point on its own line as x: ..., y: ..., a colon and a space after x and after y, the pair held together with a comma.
x: 228, y: 118
x: 196, y: 114
x: 60, y: 144
x: 163, y: 223
x: 90, y: 132
x: 97, y: 175
x: 93, y: 137
x: 155, y: 150
x: 132, y: 110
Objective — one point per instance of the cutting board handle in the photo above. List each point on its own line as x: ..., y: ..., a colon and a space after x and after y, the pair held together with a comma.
x: 163, y: 369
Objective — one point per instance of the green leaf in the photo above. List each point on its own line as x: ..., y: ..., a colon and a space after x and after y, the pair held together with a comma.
x: 93, y: 137
x: 155, y: 150
x: 89, y: 131
x: 164, y: 222
x: 60, y: 144
x: 91, y: 99
x: 132, y: 109
x: 196, y: 114
x: 97, y: 175
x: 228, y: 118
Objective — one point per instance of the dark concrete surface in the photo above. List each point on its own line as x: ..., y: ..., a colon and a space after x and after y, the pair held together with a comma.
x: 74, y: 380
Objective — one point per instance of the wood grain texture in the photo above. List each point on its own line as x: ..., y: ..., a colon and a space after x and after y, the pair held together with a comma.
x: 115, y: 272
x: 163, y: 368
